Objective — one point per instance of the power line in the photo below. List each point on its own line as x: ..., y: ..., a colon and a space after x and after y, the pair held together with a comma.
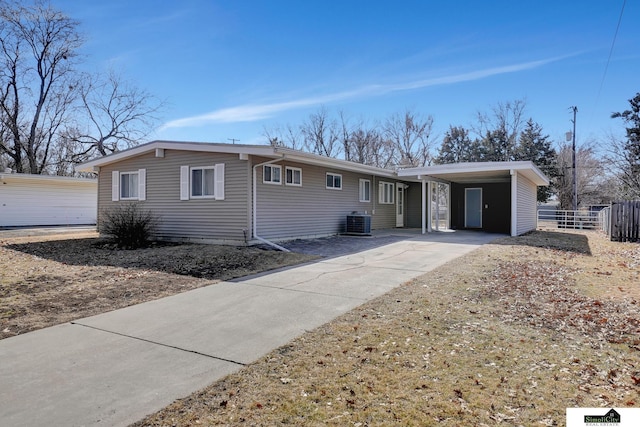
x: 606, y: 67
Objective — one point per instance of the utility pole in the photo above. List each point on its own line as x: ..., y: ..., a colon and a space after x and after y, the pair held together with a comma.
x: 233, y: 140
x: 575, y: 170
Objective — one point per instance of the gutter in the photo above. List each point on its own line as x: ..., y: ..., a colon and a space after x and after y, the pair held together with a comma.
x: 255, y: 207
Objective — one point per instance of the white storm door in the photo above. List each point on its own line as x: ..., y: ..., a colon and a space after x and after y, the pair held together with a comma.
x: 399, y: 205
x: 473, y: 208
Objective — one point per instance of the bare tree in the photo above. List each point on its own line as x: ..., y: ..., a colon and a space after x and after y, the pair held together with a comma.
x: 345, y: 136
x: 500, y: 129
x: 591, y: 177
x: 115, y: 114
x: 288, y: 137
x: 624, y: 154
x: 626, y: 168
x: 320, y: 134
x: 64, y: 158
x: 410, y: 133
x: 368, y: 146
x: 38, y: 49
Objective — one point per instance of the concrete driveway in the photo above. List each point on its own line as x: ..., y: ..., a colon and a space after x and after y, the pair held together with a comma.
x: 115, y: 368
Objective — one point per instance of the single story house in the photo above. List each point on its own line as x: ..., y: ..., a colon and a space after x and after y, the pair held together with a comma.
x: 40, y: 200
x: 230, y: 193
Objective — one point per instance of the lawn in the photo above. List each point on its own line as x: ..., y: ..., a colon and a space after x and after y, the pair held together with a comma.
x: 48, y: 280
x: 511, y: 334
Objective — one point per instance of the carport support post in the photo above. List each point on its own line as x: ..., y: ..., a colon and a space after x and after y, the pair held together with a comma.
x: 429, y: 207
x: 424, y: 206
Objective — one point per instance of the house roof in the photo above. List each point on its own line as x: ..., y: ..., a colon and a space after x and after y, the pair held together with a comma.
x: 465, y: 173
x: 267, y: 151
x: 459, y: 172
x: 6, y: 176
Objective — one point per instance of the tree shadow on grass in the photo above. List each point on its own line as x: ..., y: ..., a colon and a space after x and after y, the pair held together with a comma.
x: 562, y: 241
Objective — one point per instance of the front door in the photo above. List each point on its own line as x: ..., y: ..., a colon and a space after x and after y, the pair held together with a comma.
x: 473, y: 208
x: 399, y: 205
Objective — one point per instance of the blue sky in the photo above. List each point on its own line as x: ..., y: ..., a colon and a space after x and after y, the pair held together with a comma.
x: 230, y: 69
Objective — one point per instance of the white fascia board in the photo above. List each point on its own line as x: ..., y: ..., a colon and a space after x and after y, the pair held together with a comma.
x: 460, y: 167
x: 317, y: 160
x: 253, y: 150
x: 530, y: 170
x: 259, y: 150
x: 46, y: 178
x: 536, y: 175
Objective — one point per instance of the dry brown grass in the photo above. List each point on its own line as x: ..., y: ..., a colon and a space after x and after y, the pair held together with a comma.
x: 49, y: 280
x: 511, y: 334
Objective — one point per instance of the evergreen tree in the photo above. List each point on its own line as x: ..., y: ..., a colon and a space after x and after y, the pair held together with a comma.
x: 536, y: 147
x: 455, y: 146
x: 477, y: 151
x: 496, y: 146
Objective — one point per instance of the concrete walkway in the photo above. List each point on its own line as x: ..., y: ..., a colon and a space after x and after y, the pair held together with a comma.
x: 115, y: 368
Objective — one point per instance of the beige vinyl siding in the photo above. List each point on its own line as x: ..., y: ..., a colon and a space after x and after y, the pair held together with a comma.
x: 286, y: 212
x: 385, y: 215
x: 206, y: 220
x: 526, y: 205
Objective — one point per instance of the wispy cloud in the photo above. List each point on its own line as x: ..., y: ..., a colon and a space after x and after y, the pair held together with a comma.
x: 255, y: 112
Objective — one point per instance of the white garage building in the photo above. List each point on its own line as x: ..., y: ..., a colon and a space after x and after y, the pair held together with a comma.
x: 38, y: 200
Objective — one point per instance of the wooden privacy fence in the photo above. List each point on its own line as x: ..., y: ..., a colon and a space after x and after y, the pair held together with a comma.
x: 625, y: 221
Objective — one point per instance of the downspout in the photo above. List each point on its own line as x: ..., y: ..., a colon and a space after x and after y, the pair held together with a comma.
x: 374, y: 193
x: 255, y: 207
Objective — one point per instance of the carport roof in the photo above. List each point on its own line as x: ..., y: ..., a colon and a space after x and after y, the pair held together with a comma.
x: 468, y: 173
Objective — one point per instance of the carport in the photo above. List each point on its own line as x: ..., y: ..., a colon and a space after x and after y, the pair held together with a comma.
x: 496, y: 197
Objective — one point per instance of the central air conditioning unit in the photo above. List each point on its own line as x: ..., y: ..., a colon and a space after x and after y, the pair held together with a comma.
x: 359, y: 224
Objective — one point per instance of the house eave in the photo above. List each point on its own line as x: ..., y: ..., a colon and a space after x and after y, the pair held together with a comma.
x: 253, y: 150
x: 261, y: 150
x: 317, y: 160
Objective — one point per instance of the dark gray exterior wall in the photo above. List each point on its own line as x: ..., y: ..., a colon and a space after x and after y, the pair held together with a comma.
x: 496, y: 206
x: 204, y: 220
x: 414, y: 205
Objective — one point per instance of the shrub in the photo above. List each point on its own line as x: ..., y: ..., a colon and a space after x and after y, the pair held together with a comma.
x: 129, y: 225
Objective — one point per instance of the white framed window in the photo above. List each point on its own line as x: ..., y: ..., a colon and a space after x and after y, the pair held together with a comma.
x: 202, y: 182
x: 365, y: 190
x: 334, y: 181
x: 293, y: 176
x: 386, y: 191
x: 128, y: 185
x: 272, y: 174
